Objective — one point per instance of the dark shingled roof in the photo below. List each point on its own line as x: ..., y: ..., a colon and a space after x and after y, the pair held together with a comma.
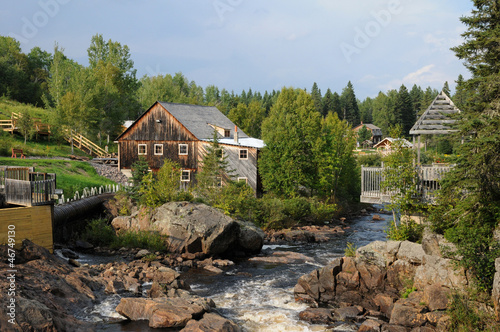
x: 197, y: 119
x: 435, y: 119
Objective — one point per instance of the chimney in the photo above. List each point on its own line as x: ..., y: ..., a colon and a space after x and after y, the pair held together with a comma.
x: 235, y: 134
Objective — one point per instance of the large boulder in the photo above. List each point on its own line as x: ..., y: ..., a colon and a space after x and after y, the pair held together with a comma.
x: 211, y: 322
x: 194, y: 227
x: 442, y: 271
x: 164, y: 312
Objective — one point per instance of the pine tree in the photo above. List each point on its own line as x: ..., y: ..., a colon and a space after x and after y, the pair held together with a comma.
x: 327, y: 103
x: 469, y: 204
x: 404, y: 110
x: 349, y: 105
x: 316, y: 96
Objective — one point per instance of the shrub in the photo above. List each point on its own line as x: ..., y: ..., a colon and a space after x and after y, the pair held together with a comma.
x: 465, y: 315
x: 408, y: 229
x: 99, y: 233
x: 297, y: 208
x: 350, y: 250
x: 371, y: 159
x: 236, y: 199
x: 323, y: 211
x: 140, y: 239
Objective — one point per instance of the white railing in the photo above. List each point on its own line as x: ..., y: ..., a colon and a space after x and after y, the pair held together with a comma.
x: 89, y: 192
x: 429, y: 177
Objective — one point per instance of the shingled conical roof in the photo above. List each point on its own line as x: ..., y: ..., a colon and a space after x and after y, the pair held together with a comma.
x: 435, y: 119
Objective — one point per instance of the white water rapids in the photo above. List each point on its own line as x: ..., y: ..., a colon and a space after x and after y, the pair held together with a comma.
x: 259, y: 296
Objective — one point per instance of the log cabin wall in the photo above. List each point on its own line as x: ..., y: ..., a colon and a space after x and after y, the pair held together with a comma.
x: 160, y: 128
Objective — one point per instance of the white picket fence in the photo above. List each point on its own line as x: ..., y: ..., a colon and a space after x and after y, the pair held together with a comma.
x: 94, y: 191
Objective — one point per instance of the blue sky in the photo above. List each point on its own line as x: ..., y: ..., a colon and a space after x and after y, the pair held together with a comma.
x: 259, y: 44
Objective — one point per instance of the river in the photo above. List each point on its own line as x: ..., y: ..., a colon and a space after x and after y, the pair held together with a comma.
x: 258, y: 296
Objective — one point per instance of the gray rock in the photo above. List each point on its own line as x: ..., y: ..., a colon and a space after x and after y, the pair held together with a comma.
x: 141, y: 253
x: 411, y: 252
x: 437, y: 270
x: 496, y: 289
x: 251, y: 237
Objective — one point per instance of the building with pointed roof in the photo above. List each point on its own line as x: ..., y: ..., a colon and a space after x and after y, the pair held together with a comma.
x: 182, y: 132
x: 375, y: 131
x: 436, y: 119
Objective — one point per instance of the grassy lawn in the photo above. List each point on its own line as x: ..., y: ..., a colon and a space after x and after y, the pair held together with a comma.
x: 71, y: 175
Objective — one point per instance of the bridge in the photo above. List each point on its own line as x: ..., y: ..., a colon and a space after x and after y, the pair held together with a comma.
x: 428, y: 182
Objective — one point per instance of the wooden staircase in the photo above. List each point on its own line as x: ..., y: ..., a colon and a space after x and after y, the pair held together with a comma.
x: 11, y: 125
x: 86, y: 145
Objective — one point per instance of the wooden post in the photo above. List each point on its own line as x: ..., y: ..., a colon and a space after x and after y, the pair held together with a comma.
x: 418, y: 151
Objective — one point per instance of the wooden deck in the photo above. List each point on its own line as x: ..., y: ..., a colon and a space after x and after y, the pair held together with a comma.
x: 427, y: 185
x: 22, y: 186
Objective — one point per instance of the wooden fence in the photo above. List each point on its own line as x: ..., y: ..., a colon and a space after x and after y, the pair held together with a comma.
x: 33, y: 223
x: 22, y: 186
x: 429, y: 177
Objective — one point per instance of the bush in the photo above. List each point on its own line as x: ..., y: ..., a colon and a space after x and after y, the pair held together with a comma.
x: 99, y: 233
x: 297, y: 208
x: 408, y: 229
x: 140, y: 239
x: 350, y: 250
x: 371, y: 159
x: 236, y: 199
x: 322, y: 211
x: 466, y: 316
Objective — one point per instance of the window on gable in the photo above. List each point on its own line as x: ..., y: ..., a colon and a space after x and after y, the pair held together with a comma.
x: 243, y: 153
x: 158, y: 149
x: 183, y: 149
x: 242, y: 179
x: 227, y: 133
x: 142, y: 149
x: 185, y: 175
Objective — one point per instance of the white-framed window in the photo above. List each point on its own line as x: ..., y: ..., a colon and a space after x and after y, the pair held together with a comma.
x: 242, y: 179
x: 183, y: 149
x: 158, y: 149
x: 142, y: 149
x: 218, y: 181
x: 243, y: 153
x: 185, y: 175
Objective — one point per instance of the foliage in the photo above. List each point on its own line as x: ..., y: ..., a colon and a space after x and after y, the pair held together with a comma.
x: 236, y: 199
x: 26, y: 125
x: 156, y: 190
x: 399, y: 178
x: 350, y: 250
x: 349, y: 105
x: 99, y: 233
x: 468, y: 208
x: 150, y: 257
x: 290, y: 130
x: 364, y: 134
x: 214, y: 172
x: 139, y: 239
x: 465, y: 315
x: 407, y: 291
x: 369, y: 159
x: 322, y: 211
x: 140, y: 169
x: 333, y: 153
x: 408, y: 229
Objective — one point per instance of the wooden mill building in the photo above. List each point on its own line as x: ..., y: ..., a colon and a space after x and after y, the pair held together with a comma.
x: 181, y: 133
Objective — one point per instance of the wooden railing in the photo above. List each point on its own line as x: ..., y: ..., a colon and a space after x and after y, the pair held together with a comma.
x: 21, y: 186
x: 428, y: 183
x: 84, y: 144
x: 11, y: 125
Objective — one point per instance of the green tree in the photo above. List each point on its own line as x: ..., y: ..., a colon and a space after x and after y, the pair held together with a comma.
x: 469, y: 204
x: 26, y: 125
x: 316, y: 96
x: 364, y: 134
x: 399, y: 177
x: 290, y: 130
x: 366, y: 110
x: 446, y: 89
x: 214, y: 172
x: 327, y: 103
x: 333, y: 153
x: 349, y: 105
x: 162, y: 188
x: 404, y: 110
